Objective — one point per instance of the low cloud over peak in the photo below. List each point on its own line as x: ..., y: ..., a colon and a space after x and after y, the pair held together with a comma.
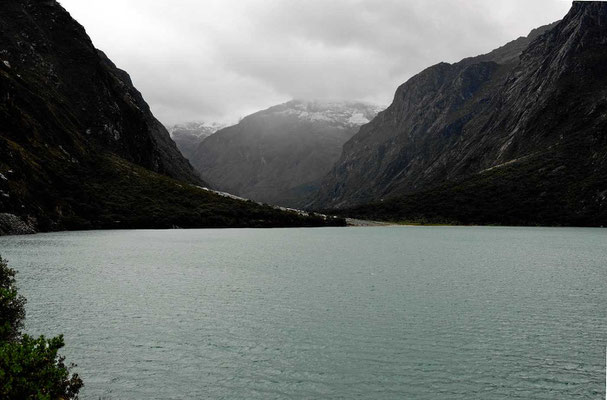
x: 218, y: 60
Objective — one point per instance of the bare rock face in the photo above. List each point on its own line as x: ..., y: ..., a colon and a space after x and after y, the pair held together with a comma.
x: 278, y: 155
x: 12, y: 225
x: 74, y: 93
x: 534, y: 100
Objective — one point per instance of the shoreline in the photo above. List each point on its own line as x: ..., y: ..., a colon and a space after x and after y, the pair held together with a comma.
x: 350, y: 223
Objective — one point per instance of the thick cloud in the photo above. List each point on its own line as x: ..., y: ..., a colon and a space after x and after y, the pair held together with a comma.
x: 217, y: 60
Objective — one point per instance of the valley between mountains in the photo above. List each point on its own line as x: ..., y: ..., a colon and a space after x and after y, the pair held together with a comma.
x: 517, y: 136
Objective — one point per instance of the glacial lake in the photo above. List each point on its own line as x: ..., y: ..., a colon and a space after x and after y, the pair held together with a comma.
x: 335, y: 313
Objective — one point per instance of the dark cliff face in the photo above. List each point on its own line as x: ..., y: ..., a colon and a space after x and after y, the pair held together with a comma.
x: 278, y: 155
x: 51, y: 70
x: 453, y: 123
x: 79, y: 147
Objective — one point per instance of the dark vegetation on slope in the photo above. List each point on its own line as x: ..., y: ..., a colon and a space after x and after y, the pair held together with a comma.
x: 122, y: 195
x: 108, y: 192
x: 546, y: 190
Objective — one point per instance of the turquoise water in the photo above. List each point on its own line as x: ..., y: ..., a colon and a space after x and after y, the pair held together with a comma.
x: 337, y: 313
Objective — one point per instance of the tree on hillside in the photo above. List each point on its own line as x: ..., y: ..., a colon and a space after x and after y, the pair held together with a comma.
x: 30, y: 368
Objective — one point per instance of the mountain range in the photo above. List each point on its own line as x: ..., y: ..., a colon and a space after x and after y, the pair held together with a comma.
x: 516, y: 136
x: 80, y: 148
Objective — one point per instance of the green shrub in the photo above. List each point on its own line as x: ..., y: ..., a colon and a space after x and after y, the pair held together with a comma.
x: 12, y: 305
x: 30, y: 368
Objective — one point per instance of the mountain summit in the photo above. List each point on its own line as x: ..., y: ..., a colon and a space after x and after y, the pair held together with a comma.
x: 279, y: 155
x: 188, y: 136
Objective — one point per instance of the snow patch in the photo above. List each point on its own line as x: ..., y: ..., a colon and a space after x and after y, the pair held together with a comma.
x: 198, y: 129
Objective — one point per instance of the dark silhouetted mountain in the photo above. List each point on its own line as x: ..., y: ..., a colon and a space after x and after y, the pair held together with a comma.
x: 278, y: 155
x: 517, y: 136
x: 79, y: 147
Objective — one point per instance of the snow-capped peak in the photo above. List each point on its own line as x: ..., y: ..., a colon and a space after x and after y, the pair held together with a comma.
x: 336, y: 113
x: 197, y: 129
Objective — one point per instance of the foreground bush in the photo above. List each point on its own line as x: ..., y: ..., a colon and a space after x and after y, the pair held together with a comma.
x: 30, y: 368
x: 12, y: 309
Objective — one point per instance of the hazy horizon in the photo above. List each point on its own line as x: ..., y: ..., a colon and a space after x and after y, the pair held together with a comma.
x: 217, y: 61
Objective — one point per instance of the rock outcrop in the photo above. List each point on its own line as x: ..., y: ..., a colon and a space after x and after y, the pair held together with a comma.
x: 12, y: 225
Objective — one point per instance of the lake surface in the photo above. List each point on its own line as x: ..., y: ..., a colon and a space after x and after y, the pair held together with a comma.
x: 336, y: 313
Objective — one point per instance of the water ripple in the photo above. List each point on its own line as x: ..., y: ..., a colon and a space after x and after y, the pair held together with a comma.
x: 375, y: 313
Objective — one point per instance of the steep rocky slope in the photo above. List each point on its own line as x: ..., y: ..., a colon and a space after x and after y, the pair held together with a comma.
x: 279, y: 155
x: 79, y: 147
x: 532, y: 127
x: 188, y: 136
x: 51, y: 69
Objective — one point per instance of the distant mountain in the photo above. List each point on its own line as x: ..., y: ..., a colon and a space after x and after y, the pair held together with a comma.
x: 278, y: 155
x: 517, y: 136
x: 79, y: 147
x: 188, y: 136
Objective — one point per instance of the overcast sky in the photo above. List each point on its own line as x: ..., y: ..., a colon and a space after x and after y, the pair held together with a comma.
x: 218, y: 60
